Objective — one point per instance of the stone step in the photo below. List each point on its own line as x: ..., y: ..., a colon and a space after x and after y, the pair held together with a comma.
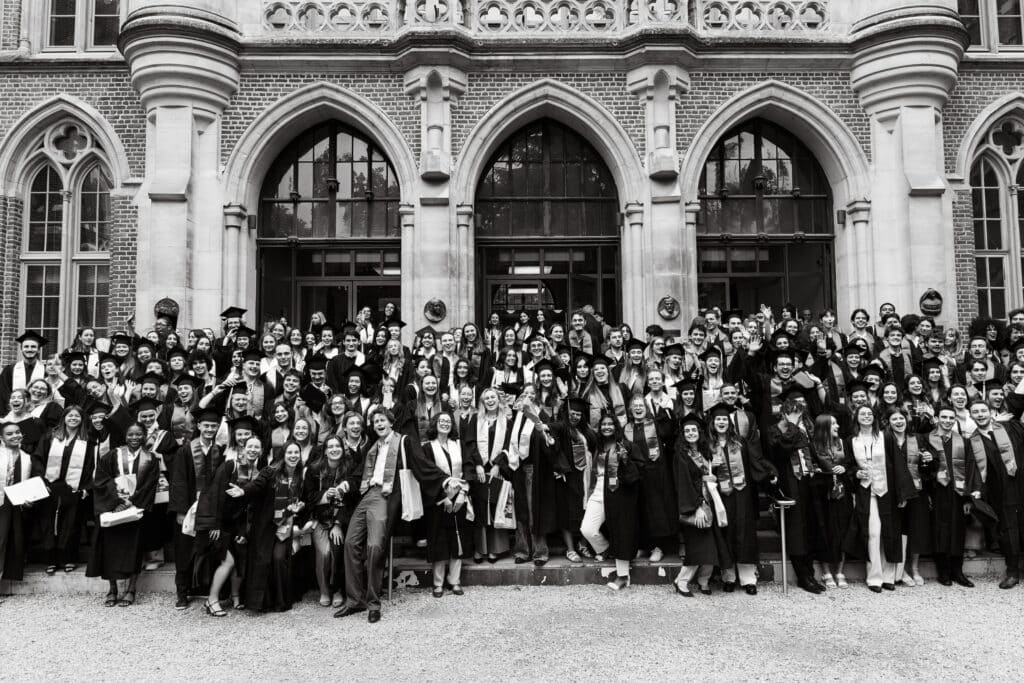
x: 411, y: 572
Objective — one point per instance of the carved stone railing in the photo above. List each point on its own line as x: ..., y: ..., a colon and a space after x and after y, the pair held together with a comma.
x: 761, y: 15
x: 482, y: 18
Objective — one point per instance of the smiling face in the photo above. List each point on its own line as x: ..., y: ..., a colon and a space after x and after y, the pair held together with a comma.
x: 638, y: 407
x: 600, y: 371
x: 300, y: 431
x: 11, y: 436
x: 489, y: 399
x: 292, y: 455
x: 444, y: 424
x: 133, y: 437
x: 381, y: 424
x: 691, y: 433
x: 606, y: 428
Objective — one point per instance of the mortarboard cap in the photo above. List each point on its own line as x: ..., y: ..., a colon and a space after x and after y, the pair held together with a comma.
x: 579, y: 405
x: 635, y: 344
x: 395, y: 322
x: 691, y: 418
x: 252, y: 354
x: 99, y: 407
x: 243, y: 331
x: 195, y: 382
x: 179, y: 352
x: 313, y: 397
x: 206, y: 415
x: 71, y: 356
x: 30, y: 335
x: 674, y: 350
x: 243, y: 422
x: 233, y: 312
x: 153, y: 378
x: 316, y: 363
x: 144, y: 404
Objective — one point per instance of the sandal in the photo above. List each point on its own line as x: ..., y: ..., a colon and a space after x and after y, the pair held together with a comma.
x: 338, y: 600
x: 573, y: 556
x: 111, y: 599
x: 51, y: 570
x: 219, y: 612
x: 127, y: 600
x: 830, y: 582
x: 325, y: 601
x: 841, y: 581
x: 586, y: 551
x: 68, y: 568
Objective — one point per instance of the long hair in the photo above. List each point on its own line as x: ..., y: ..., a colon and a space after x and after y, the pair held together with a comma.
x: 821, y: 436
x: 616, y: 436
x: 61, y: 431
x: 874, y: 419
x: 432, y: 429
x: 279, y: 466
x: 731, y: 437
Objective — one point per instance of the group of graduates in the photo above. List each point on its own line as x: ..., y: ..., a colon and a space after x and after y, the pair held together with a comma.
x: 279, y: 461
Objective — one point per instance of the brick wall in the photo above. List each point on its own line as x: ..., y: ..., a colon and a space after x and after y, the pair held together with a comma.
x: 963, y: 258
x: 258, y: 91
x: 977, y: 87
x: 105, y: 88
x: 485, y: 90
x: 123, y: 262
x: 10, y: 24
x: 11, y: 215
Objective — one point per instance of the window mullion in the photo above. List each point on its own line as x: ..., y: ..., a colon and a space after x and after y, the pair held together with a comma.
x: 67, y: 275
x: 82, y: 24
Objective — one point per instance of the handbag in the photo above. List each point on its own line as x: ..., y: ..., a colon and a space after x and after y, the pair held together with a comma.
x: 128, y: 515
x: 691, y: 519
x: 188, y: 525
x: 838, y: 490
x: 505, y: 510
x: 412, y: 497
x: 163, y: 490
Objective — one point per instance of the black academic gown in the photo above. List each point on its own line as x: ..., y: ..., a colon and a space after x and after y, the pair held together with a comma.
x: 118, y: 551
x: 568, y: 489
x: 741, y: 505
x: 7, y: 380
x: 659, y: 515
x: 1005, y: 493
x: 621, y: 503
x: 949, y: 521
x: 806, y: 520
x: 25, y: 468
x: 702, y: 546
x: 449, y: 534
x: 63, y: 513
x: 545, y: 458
x: 899, y: 489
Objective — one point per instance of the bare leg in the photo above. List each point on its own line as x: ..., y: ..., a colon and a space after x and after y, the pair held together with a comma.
x: 220, y: 577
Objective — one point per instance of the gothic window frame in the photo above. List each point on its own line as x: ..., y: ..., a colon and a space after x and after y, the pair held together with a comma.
x: 990, y: 25
x: 84, y: 22
x: 1002, y: 151
x: 68, y: 153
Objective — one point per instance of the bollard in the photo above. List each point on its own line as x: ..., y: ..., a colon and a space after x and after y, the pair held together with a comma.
x: 782, y: 505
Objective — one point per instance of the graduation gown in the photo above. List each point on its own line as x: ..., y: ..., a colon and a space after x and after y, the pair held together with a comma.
x: 949, y: 522
x: 805, y: 521
x: 118, y: 551
x: 659, y: 516
x: 60, y: 514
x: 7, y: 378
x: 741, y: 505
x: 449, y: 534
x: 702, y: 546
x: 569, y: 490
x: 621, y: 505
x: 546, y: 461
x: 25, y: 468
x: 1005, y: 493
x: 899, y: 489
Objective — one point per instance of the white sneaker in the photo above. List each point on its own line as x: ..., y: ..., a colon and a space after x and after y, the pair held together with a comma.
x: 657, y: 555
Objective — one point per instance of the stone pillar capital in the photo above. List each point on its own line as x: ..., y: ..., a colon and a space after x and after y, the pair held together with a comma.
x: 452, y: 81
x: 643, y: 80
x: 235, y: 216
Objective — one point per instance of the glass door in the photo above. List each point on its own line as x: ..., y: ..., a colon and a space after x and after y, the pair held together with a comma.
x: 332, y: 299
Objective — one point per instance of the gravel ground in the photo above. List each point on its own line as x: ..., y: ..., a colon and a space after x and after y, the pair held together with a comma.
x: 573, y: 632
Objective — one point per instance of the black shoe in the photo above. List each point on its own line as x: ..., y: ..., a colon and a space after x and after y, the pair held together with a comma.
x: 962, y: 580
x: 809, y: 586
x: 705, y: 591
x: 347, y: 610
x: 729, y: 587
x: 1010, y: 580
x: 751, y: 589
x: 182, y: 602
x: 685, y: 592
x: 438, y: 592
x: 875, y: 589
x: 457, y: 590
x: 374, y: 616
x: 944, y: 580
x: 492, y: 558
x: 478, y: 559
x: 520, y: 560
x: 540, y: 561
x: 889, y: 586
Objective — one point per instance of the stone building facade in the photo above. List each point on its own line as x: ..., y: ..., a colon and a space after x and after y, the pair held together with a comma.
x: 300, y: 155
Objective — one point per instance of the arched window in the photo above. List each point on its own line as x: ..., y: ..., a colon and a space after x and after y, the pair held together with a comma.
x: 65, y: 256
x: 547, y: 225
x: 329, y: 228
x: 764, y: 232
x: 997, y: 213
x: 546, y: 181
x: 330, y: 183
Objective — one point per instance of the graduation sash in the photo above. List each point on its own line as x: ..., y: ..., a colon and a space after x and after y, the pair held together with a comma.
x: 1003, y: 443
x: 203, y: 466
x: 914, y: 460
x: 741, y: 420
x: 9, y: 462
x: 710, y: 482
x: 519, y: 446
x: 19, y: 380
x: 256, y: 397
x: 450, y: 464
x: 839, y: 377
x: 650, y: 437
x: 390, y: 465
x: 610, y: 457
x: 76, y: 463
x: 887, y: 356
x: 871, y: 458
x: 599, y: 403
x: 488, y: 451
x: 958, y: 460
x: 733, y: 475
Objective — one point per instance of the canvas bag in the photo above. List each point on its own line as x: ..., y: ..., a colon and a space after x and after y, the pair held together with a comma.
x: 505, y: 510
x: 412, y: 497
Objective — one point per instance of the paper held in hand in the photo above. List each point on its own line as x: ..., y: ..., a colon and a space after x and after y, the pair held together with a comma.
x: 28, y: 491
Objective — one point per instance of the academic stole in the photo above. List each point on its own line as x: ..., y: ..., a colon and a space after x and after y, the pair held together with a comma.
x: 864, y: 455
x: 611, y: 466
x: 450, y: 464
x: 390, y: 465
x: 709, y: 482
x: 650, y: 437
x: 19, y: 381
x: 733, y: 475
x: 618, y: 405
x: 522, y: 430
x: 9, y: 469
x: 914, y: 460
x: 76, y: 463
x: 1002, y: 440
x: 959, y: 460
x: 489, y: 452
x: 886, y: 356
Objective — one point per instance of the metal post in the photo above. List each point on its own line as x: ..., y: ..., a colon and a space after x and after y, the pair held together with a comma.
x: 782, y: 505
x: 390, y: 566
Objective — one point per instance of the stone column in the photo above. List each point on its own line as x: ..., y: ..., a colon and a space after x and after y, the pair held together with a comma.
x: 688, y: 301
x: 632, y: 258
x: 662, y: 245
x: 235, y: 222
x: 464, y: 301
x: 184, y: 65
x: 407, y: 221
x: 905, y: 65
x: 439, y: 271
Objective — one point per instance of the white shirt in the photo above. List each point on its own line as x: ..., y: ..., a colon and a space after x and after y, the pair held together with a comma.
x: 383, y: 446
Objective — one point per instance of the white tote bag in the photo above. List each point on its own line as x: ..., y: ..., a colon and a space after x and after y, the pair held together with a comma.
x: 412, y: 497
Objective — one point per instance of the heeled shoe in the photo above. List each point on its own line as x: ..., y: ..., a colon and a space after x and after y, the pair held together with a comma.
x: 68, y: 568
x: 127, y: 600
x: 111, y: 599
x: 51, y: 570
x: 478, y: 559
x: 889, y: 586
x: 492, y: 558
x: 685, y: 592
x: 219, y: 612
x: 918, y: 580
x: 829, y: 581
x: 875, y: 589
x: 704, y: 590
